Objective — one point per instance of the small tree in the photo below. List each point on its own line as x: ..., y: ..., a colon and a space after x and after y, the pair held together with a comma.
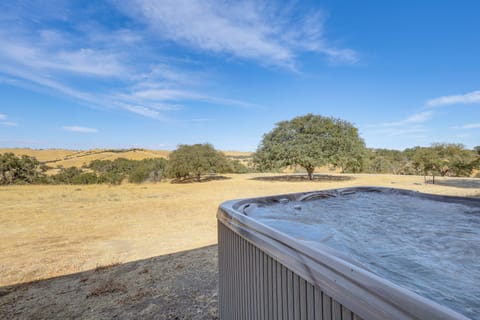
x: 20, y: 170
x: 195, y: 160
x: 477, y: 150
x: 426, y: 161
x: 311, y: 141
x: 445, y: 160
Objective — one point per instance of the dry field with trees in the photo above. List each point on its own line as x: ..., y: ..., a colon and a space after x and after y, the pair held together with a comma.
x: 135, y: 250
x: 48, y: 231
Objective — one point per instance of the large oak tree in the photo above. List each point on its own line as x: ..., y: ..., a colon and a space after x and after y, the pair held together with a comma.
x: 311, y: 141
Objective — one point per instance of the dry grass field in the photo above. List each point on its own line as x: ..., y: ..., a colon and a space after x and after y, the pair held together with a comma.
x: 135, y: 250
x: 47, y: 231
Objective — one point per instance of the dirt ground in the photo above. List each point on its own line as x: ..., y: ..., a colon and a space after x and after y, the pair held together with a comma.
x: 177, y: 286
x: 62, y: 233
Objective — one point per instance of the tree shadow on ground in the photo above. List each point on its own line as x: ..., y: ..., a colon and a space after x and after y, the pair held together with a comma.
x: 206, y: 178
x: 458, y: 183
x: 182, y: 285
x: 304, y: 177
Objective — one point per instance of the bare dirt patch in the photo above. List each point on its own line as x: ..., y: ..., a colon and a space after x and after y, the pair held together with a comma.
x: 304, y: 177
x: 177, y: 286
x: 205, y: 178
x: 470, y: 183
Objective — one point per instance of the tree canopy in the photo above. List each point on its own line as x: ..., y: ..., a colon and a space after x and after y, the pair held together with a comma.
x: 20, y: 170
x: 311, y: 141
x: 195, y: 160
x: 445, y: 160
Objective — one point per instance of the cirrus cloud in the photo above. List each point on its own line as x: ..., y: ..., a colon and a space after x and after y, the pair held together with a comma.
x: 80, y: 129
x: 259, y: 31
x: 467, y: 98
x: 468, y: 126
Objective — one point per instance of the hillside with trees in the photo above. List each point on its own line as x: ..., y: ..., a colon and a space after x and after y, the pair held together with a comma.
x: 440, y: 159
x: 187, y: 162
x: 308, y: 141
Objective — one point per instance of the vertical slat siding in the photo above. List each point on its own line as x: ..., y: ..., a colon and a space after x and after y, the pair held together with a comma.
x: 317, y: 298
x: 310, y: 302
x: 336, y: 310
x: 274, y: 290
x: 252, y: 281
x: 265, y: 286
x: 284, y: 293
x: 327, y: 306
x: 253, y: 285
x: 346, y: 314
x: 296, y: 297
x: 269, y: 288
x: 302, y: 285
x: 291, y: 307
x: 279, y: 292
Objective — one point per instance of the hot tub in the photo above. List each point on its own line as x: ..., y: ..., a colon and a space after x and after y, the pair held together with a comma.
x: 354, y: 253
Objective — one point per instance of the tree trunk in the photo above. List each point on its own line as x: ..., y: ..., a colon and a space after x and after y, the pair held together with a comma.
x: 433, y: 179
x: 310, y: 173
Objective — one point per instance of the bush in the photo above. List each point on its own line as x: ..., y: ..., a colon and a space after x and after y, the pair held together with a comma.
x: 20, y: 170
x: 86, y: 178
x: 114, y: 178
x: 238, y: 167
x: 148, y: 170
x: 66, y: 175
x: 191, y: 161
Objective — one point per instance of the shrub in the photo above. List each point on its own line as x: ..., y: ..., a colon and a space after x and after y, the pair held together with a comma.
x: 195, y: 160
x: 148, y: 170
x: 20, y: 170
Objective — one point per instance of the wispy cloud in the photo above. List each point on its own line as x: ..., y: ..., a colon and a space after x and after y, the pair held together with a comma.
x: 468, y: 126
x: 413, y: 131
x: 144, y: 111
x: 80, y: 129
x: 467, y: 98
x: 82, y: 61
x: 104, y: 66
x: 260, y: 31
x: 410, y: 127
x: 9, y: 123
x: 97, y: 66
x: 5, y: 123
x: 413, y: 119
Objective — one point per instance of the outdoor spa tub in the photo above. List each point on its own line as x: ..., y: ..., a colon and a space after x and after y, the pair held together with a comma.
x: 354, y: 253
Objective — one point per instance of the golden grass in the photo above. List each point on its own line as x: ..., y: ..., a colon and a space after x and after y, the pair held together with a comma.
x: 47, y: 231
x: 71, y: 158
x: 40, y: 154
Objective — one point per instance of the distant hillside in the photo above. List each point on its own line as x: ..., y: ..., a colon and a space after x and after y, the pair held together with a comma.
x: 77, y: 158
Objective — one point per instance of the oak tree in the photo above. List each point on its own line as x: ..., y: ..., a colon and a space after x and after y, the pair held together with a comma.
x: 311, y: 141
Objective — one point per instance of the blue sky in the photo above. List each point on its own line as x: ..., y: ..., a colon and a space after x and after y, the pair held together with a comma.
x: 154, y: 74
